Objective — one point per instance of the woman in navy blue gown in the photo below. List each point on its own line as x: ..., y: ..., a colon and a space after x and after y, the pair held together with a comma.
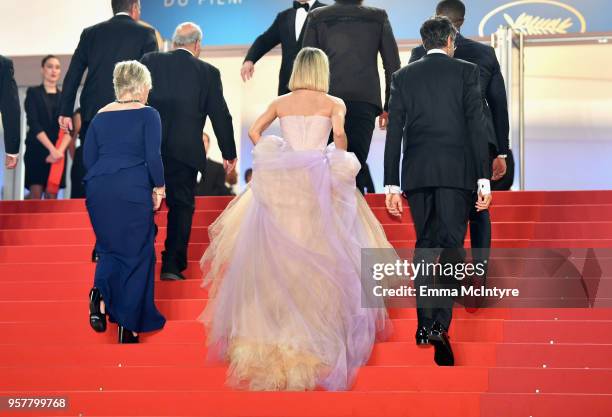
x: 124, y: 186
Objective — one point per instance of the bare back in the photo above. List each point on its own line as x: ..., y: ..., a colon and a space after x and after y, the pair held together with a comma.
x: 304, y: 103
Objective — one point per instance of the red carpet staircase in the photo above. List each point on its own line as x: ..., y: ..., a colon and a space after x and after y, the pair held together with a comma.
x: 511, y: 363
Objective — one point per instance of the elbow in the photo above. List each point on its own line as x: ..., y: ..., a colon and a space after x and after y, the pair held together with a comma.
x: 254, y: 135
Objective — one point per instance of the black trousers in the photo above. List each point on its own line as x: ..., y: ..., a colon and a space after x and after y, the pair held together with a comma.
x: 359, y: 126
x: 77, y: 172
x: 440, y: 218
x: 181, y: 181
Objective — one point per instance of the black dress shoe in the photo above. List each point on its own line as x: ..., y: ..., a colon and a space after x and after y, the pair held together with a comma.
x: 126, y: 336
x: 97, y: 320
x: 172, y: 276
x: 438, y: 337
x: 422, y: 336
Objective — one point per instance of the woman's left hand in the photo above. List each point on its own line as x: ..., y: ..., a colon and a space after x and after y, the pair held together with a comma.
x: 157, y: 200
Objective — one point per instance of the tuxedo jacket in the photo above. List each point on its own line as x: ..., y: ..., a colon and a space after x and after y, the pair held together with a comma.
x: 436, y: 114
x: 102, y: 46
x: 492, y: 87
x: 187, y: 90
x: 282, y: 31
x: 213, y: 181
x: 9, y: 107
x: 353, y: 36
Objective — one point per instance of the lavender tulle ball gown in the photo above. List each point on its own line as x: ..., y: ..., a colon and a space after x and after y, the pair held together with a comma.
x: 283, y: 267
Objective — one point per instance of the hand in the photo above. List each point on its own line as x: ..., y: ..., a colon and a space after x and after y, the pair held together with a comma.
x: 394, y: 204
x: 229, y: 166
x: 484, y: 201
x: 65, y: 123
x: 247, y: 70
x: 54, y: 156
x: 499, y: 168
x: 157, y: 200
x: 10, y: 162
x: 383, y: 120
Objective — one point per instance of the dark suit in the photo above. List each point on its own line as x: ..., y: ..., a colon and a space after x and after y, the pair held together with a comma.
x: 101, y: 46
x: 353, y: 36
x: 493, y: 90
x: 282, y: 31
x: 9, y: 107
x: 186, y: 91
x: 436, y: 113
x: 494, y: 95
x: 213, y: 181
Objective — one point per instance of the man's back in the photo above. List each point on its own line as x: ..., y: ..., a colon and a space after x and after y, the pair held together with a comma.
x: 185, y: 91
x: 492, y: 85
x: 101, y: 46
x: 442, y: 109
x: 352, y: 36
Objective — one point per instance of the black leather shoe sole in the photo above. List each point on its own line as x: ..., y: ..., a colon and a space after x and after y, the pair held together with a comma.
x: 443, y: 355
x: 171, y: 276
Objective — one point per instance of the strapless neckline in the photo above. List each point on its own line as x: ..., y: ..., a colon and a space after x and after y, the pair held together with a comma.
x: 304, y: 117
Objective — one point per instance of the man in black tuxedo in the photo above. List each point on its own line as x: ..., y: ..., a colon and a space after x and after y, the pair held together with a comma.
x: 286, y: 30
x: 186, y: 91
x: 493, y: 90
x: 101, y: 46
x: 436, y: 110
x: 11, y: 112
x: 353, y: 35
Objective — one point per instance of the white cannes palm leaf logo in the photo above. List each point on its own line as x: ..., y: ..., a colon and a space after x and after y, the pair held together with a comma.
x: 536, y: 25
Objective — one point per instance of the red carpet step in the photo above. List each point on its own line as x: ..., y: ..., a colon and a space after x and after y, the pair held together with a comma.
x: 510, y: 362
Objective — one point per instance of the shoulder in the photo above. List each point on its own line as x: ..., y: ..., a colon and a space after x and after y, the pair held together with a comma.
x: 214, y: 71
x: 337, y: 102
x: 34, y: 91
x: 465, y: 64
x: 150, y: 113
x: 5, y: 62
x: 152, y: 56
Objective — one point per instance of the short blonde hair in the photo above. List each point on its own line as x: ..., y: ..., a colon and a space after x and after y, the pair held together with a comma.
x: 131, y: 77
x: 310, y: 71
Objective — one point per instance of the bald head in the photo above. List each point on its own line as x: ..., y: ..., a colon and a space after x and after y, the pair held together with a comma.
x: 188, y: 35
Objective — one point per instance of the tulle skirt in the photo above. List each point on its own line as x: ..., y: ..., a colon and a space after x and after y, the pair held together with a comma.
x: 283, y: 271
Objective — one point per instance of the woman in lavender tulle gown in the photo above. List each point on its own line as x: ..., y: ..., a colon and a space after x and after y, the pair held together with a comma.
x: 283, y: 265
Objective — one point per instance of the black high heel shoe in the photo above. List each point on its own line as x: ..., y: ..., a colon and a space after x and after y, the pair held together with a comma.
x: 97, y: 320
x: 126, y: 336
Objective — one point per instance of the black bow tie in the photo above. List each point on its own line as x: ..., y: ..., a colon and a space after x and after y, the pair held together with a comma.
x: 297, y: 6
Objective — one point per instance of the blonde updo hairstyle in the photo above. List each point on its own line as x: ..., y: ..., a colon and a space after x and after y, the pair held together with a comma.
x: 310, y: 71
x: 131, y: 77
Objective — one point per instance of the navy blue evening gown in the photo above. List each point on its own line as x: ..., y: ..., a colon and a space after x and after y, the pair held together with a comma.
x: 123, y: 161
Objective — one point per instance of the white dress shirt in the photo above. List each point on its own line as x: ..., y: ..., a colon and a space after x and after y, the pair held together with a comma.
x: 300, y: 19
x: 484, y: 184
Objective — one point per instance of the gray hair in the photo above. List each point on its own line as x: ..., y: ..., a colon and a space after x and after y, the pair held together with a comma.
x: 184, y: 37
x: 131, y: 77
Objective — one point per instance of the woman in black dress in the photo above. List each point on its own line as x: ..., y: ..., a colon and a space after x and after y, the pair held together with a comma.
x: 41, y: 105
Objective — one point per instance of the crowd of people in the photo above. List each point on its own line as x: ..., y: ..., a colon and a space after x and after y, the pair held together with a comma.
x: 283, y: 263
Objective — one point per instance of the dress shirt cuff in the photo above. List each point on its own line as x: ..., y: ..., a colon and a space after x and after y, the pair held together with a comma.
x: 484, y: 186
x: 502, y: 156
x: 13, y: 155
x: 393, y: 189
